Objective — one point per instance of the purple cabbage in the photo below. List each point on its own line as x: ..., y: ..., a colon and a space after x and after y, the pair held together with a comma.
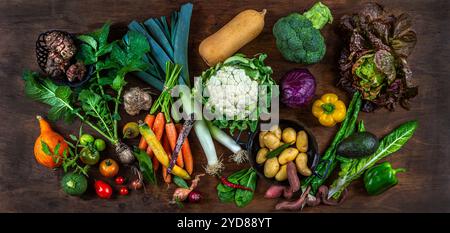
x: 297, y: 88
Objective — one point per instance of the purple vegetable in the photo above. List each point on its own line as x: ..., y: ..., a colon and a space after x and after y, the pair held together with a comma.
x: 297, y: 88
x: 194, y: 197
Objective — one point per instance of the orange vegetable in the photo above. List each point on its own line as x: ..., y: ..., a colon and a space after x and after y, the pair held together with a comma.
x: 158, y: 129
x: 149, y: 119
x: 186, y: 150
x: 108, y: 168
x: 45, y: 146
x: 171, y: 133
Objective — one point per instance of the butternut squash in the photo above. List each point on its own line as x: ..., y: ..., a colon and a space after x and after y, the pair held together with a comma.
x: 242, y: 29
x: 51, y: 139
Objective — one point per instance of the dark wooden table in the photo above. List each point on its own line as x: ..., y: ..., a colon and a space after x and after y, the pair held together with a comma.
x: 26, y: 186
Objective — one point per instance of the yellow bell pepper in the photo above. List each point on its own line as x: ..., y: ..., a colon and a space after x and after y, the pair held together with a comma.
x: 329, y: 110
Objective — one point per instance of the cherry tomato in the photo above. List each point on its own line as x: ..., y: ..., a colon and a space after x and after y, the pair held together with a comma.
x: 123, y: 191
x: 89, y: 156
x: 109, y: 168
x: 120, y: 180
x: 100, y: 144
x: 86, y: 139
x: 103, y: 189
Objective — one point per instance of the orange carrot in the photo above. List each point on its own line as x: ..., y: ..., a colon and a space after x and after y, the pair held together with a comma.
x: 149, y: 119
x: 158, y: 129
x: 155, y: 163
x: 171, y: 133
x: 187, y: 155
x: 166, y: 145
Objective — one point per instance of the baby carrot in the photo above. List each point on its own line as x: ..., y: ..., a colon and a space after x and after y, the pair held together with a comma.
x: 166, y: 145
x: 149, y: 119
x: 172, y: 136
x: 158, y: 129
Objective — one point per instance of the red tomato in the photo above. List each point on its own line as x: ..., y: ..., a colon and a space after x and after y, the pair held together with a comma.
x: 120, y: 180
x: 103, y: 189
x: 123, y: 191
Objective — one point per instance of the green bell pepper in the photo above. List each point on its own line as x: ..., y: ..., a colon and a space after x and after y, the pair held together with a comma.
x: 380, y: 178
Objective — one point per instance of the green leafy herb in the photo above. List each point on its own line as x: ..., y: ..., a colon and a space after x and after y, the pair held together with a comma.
x: 354, y: 168
x: 145, y: 166
x: 245, y: 177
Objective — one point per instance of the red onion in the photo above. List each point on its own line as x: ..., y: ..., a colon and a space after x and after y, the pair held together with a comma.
x: 194, y: 197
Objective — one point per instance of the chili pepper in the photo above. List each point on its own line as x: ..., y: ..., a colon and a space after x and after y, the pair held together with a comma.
x: 227, y: 183
x: 329, y: 110
x: 380, y: 178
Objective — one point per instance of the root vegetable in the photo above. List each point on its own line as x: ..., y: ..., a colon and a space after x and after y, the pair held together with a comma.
x: 282, y: 174
x: 124, y: 153
x: 287, y: 155
x: 261, y: 139
x: 275, y: 129
x: 288, y: 135
x: 261, y: 156
x: 321, y: 197
x: 130, y: 130
x: 288, y: 192
x: 274, y: 191
x: 293, y: 205
x: 242, y: 29
x: 271, y: 167
x: 182, y: 194
x: 301, y: 162
x: 302, y: 141
x: 294, y: 181
x: 271, y: 140
x: 135, y: 100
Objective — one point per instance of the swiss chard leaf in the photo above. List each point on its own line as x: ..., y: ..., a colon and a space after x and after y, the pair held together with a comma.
x: 244, y: 197
x: 354, y: 168
x: 45, y: 91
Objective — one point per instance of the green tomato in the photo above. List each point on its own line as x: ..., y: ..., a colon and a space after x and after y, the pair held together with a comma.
x: 100, y: 144
x: 89, y: 157
x: 86, y: 139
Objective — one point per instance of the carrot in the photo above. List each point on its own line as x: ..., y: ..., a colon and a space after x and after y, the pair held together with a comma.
x: 155, y: 163
x: 158, y: 129
x: 149, y: 119
x: 166, y: 145
x: 171, y: 133
x: 187, y: 155
x: 160, y: 154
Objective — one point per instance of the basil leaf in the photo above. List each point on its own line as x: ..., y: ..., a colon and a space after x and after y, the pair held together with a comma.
x: 353, y: 169
x: 180, y: 182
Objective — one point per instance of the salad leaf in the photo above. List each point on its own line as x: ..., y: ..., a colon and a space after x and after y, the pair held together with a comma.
x: 145, y: 166
x: 45, y: 91
x: 244, y: 197
x: 354, y: 168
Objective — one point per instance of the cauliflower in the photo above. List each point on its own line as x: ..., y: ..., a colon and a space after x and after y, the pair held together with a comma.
x: 231, y: 91
x: 298, y: 37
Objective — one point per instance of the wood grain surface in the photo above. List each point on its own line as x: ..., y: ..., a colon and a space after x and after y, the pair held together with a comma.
x: 26, y: 186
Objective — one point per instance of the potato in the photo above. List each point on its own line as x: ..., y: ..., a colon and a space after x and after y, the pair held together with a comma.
x: 301, y: 162
x: 271, y: 167
x: 271, y: 141
x: 275, y: 129
x: 239, y: 31
x: 288, y: 135
x: 282, y: 173
x: 287, y: 155
x: 261, y: 156
x: 261, y: 139
x: 302, y: 141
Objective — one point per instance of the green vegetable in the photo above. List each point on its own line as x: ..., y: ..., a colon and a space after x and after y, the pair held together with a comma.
x: 145, y: 166
x: 277, y: 151
x: 357, y: 145
x: 86, y: 139
x: 89, y: 156
x: 328, y: 161
x: 354, y: 168
x: 100, y: 144
x: 298, y: 37
x: 245, y: 177
x: 380, y: 178
x: 180, y: 182
x: 74, y: 184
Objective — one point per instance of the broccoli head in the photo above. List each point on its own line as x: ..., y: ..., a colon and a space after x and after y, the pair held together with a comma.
x: 298, y: 37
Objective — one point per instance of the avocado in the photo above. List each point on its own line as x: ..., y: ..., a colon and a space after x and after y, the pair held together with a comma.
x: 357, y: 145
x: 74, y: 184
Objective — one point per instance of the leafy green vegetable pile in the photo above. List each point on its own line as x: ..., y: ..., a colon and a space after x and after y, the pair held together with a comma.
x: 245, y: 177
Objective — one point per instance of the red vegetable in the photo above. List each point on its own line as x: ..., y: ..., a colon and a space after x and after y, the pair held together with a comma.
x: 194, y: 197
x: 120, y: 180
x: 103, y: 189
x: 225, y: 182
x: 123, y: 191
x: 297, y: 88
